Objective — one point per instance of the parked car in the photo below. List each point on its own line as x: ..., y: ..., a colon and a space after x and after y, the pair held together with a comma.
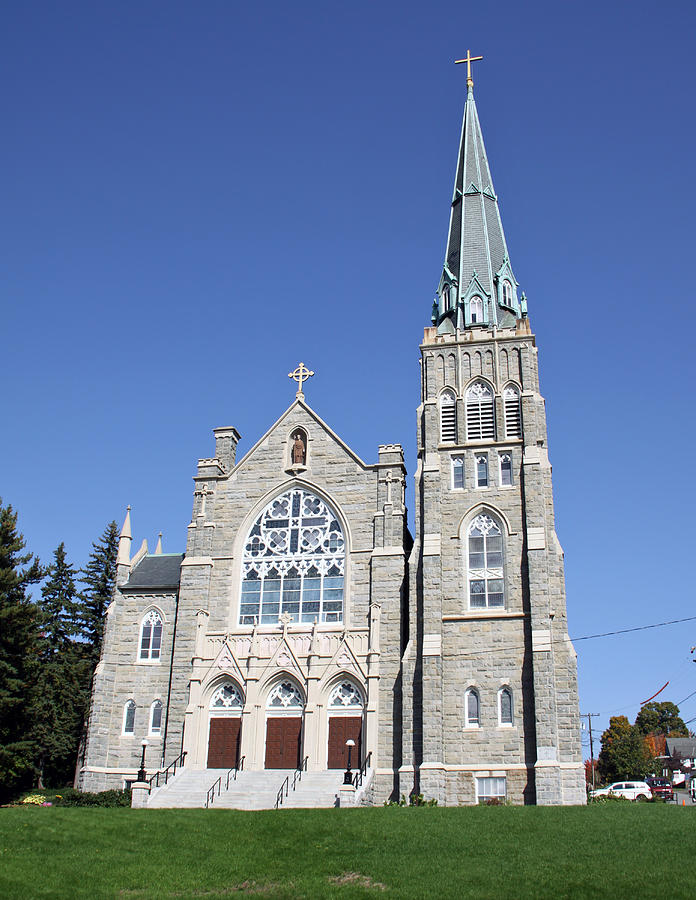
x: 660, y: 787
x: 631, y: 790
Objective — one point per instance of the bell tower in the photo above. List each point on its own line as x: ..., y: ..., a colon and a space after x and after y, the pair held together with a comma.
x: 489, y: 673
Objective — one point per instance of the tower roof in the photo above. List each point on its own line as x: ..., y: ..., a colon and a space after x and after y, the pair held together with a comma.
x: 476, y: 260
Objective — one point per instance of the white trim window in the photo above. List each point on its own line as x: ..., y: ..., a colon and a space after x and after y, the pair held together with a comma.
x: 285, y: 697
x: 485, y: 563
x: 156, y: 718
x: 480, y: 412
x: 129, y: 719
x: 491, y: 790
x: 507, y: 294
x: 448, y: 417
x: 458, y: 482
x: 513, y: 412
x: 293, y: 562
x: 505, y: 709
x: 472, y: 708
x: 476, y: 310
x: 505, y: 469
x: 481, y: 470
x: 151, y: 636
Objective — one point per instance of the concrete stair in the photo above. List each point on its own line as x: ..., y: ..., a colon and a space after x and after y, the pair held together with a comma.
x: 250, y: 790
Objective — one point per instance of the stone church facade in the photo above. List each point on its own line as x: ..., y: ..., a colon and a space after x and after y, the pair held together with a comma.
x: 302, y: 613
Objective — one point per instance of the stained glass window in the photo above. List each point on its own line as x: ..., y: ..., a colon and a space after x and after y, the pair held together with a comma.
x: 485, y: 547
x: 151, y: 636
x: 293, y: 562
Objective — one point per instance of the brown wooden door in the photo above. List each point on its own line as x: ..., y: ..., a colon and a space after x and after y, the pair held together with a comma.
x: 283, y: 742
x: 223, y: 743
x: 341, y: 728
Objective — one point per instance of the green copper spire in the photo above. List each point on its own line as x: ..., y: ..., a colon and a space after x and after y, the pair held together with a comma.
x: 477, y: 286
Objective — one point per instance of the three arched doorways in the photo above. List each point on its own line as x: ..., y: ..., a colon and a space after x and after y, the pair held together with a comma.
x: 284, y: 726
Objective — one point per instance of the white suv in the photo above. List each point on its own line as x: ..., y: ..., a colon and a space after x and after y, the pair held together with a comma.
x: 631, y: 790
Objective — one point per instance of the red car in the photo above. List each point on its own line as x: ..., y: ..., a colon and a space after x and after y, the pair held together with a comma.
x: 661, y: 787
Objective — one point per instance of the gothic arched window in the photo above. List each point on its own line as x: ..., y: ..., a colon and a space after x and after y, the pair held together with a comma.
x: 476, y: 310
x: 513, y: 414
x: 293, y: 562
x: 156, y: 718
x: 129, y: 717
x: 507, y: 293
x: 227, y: 698
x: 505, y: 706
x: 485, y: 563
x: 151, y: 636
x: 448, y: 417
x: 345, y: 695
x: 480, y: 412
x: 285, y: 695
x: 471, y: 708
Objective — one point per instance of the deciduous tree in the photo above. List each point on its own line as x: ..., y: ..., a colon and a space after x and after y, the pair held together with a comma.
x: 624, y: 753
x: 661, y: 718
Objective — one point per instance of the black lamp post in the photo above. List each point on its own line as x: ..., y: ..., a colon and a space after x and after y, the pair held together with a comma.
x: 142, y: 775
x: 348, y: 777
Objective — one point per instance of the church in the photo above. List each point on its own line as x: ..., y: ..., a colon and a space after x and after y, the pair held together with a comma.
x: 305, y: 632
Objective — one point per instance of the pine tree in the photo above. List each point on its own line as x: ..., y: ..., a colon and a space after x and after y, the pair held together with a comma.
x: 18, y: 640
x: 60, y: 691
x: 99, y: 580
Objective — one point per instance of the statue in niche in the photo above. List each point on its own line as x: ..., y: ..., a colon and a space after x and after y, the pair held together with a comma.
x: 299, y: 451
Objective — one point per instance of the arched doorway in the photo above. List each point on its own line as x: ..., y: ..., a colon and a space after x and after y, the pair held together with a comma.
x: 346, y: 707
x: 225, y: 729
x: 284, y: 710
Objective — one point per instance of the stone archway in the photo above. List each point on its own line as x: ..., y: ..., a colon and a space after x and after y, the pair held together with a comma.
x: 225, y: 727
x: 346, y: 709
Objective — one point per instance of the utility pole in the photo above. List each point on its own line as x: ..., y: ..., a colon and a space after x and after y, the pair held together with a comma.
x: 590, y: 717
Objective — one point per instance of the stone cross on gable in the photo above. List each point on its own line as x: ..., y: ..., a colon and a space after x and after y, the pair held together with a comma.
x: 300, y: 375
x: 203, y: 492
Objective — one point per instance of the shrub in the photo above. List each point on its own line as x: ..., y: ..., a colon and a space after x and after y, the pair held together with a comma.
x: 71, y: 797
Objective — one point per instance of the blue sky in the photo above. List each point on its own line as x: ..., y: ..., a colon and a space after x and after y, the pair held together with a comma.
x: 198, y: 196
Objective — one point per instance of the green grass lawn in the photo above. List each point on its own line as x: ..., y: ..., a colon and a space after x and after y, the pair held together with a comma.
x: 609, y: 850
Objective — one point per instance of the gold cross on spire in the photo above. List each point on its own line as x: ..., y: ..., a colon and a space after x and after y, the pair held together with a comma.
x: 300, y: 374
x: 468, y: 59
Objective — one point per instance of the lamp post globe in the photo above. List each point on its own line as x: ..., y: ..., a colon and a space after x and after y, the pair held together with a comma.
x: 348, y: 776
x: 141, y: 771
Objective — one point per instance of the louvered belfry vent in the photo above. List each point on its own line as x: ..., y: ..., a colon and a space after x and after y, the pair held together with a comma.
x: 513, y: 418
x: 480, y: 412
x: 448, y: 418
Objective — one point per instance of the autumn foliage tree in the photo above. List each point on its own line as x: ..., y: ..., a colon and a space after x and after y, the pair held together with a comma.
x: 624, y: 752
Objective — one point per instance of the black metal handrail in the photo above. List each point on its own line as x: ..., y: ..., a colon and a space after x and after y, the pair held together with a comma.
x: 362, y: 771
x: 166, y: 773
x: 285, y: 786
x: 231, y: 773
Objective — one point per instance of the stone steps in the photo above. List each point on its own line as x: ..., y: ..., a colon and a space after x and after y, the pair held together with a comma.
x: 250, y: 790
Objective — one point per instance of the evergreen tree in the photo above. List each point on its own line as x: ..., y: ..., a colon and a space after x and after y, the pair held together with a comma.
x: 18, y: 639
x: 99, y: 580
x: 61, y: 688
x: 624, y: 752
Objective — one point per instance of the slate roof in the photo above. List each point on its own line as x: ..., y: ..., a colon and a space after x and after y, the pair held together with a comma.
x: 684, y: 747
x: 159, y: 572
x: 475, y: 242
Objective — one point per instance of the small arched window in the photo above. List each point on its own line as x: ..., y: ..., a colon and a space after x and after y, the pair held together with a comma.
x: 446, y: 298
x: 285, y: 695
x: 476, y: 310
x: 345, y: 695
x: 480, y: 412
x: 129, y: 717
x: 448, y: 417
x: 485, y: 563
x: 472, y: 712
x: 156, y: 718
x: 507, y: 293
x: 513, y: 414
x: 505, y: 469
x: 151, y: 636
x: 505, y: 706
x: 482, y: 470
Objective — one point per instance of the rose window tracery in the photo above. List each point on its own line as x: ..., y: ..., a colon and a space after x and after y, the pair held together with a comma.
x: 345, y: 696
x: 285, y: 695
x: 293, y: 562
x: 227, y: 697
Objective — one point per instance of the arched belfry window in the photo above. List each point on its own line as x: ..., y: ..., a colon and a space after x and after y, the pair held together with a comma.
x: 293, y: 562
x: 485, y: 563
x: 507, y: 293
x: 476, y: 310
x: 448, y: 417
x: 513, y: 413
x: 480, y: 412
x: 151, y: 636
